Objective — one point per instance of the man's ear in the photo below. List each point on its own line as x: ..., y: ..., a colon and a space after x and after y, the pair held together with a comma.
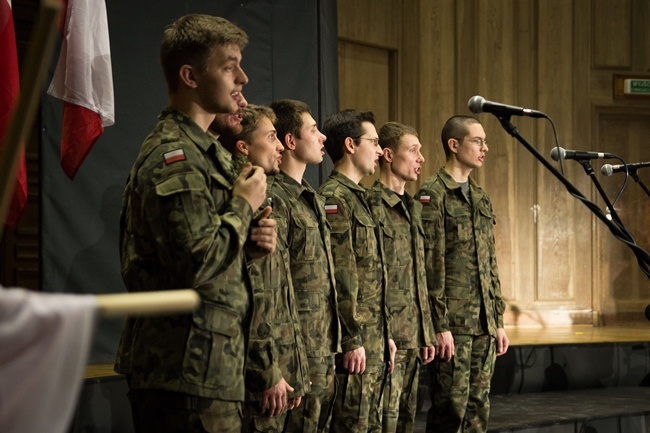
x: 387, y: 154
x: 289, y: 141
x: 453, y: 144
x: 350, y: 146
x: 187, y: 77
x: 242, y: 147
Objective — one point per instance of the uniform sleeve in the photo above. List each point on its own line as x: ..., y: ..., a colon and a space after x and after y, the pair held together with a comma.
x: 500, y: 304
x: 347, y: 284
x: 433, y: 223
x: 266, y: 280
x: 262, y: 370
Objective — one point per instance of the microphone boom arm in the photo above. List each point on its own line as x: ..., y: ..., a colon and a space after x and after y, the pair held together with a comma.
x: 642, y: 256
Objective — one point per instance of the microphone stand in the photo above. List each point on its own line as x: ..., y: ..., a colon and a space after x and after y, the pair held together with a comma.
x: 635, y: 176
x: 590, y: 172
x: 642, y: 256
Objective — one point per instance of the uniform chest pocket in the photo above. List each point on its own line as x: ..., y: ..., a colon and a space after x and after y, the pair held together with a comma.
x: 458, y: 224
x: 488, y: 219
x: 365, y: 240
x: 305, y: 236
x: 397, y: 245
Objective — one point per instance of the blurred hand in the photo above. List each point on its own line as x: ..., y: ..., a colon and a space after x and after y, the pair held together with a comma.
x: 274, y: 399
x: 251, y: 185
x: 445, y: 346
x: 393, y: 350
x: 427, y: 354
x: 502, y: 341
x: 262, y: 236
x: 354, y: 361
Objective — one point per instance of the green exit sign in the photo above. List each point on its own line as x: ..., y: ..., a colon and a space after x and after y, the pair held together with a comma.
x: 635, y: 86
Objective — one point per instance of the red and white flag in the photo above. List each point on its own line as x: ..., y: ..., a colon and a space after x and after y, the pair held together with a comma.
x: 9, y: 90
x: 84, y: 80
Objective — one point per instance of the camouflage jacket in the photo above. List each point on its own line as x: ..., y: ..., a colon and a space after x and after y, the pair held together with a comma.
x: 181, y: 228
x: 358, y: 267
x: 407, y: 300
x: 462, y: 273
x: 303, y: 229
x: 275, y: 313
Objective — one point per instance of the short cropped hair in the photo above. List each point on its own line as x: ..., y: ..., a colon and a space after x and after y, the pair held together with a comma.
x: 341, y: 125
x: 191, y: 41
x: 390, y: 135
x: 289, y: 117
x: 456, y: 127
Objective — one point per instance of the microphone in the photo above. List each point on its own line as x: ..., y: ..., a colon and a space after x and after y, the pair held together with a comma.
x: 558, y: 153
x: 609, y: 169
x: 478, y: 104
x: 647, y: 312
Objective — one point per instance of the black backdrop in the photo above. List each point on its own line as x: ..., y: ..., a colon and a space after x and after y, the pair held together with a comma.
x: 292, y: 54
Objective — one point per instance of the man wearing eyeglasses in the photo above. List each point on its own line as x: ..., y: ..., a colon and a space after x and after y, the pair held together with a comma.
x: 463, y: 283
x: 352, y: 143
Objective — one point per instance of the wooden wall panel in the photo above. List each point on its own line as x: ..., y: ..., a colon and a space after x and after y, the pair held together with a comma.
x: 556, y: 56
x: 624, y: 293
x: 612, y: 23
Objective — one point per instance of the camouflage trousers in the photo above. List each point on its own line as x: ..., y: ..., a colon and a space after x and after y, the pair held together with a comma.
x: 401, y: 393
x: 315, y: 411
x: 358, y: 404
x: 460, y: 388
x: 158, y: 411
x: 255, y: 421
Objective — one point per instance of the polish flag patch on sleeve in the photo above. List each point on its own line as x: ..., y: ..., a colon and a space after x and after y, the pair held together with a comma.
x: 331, y: 208
x: 174, y: 156
x: 425, y: 199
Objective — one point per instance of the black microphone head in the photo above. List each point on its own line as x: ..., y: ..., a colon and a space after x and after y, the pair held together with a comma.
x: 558, y: 153
x: 475, y: 104
x: 607, y: 170
x: 647, y: 312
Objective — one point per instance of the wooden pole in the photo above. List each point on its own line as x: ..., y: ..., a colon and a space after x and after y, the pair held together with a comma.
x: 148, y: 303
x: 31, y: 83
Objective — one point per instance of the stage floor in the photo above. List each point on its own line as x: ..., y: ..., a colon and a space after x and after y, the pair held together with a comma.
x: 576, y: 334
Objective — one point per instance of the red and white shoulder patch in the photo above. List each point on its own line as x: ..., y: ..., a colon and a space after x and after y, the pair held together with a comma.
x: 425, y: 199
x: 174, y: 156
x: 331, y: 208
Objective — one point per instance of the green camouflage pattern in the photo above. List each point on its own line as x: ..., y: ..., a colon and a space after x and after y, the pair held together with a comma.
x: 407, y: 300
x: 360, y: 288
x: 157, y: 411
x: 401, y: 393
x: 307, y: 237
x: 358, y: 405
x: 315, y: 411
x: 358, y: 268
x: 181, y: 228
x: 257, y: 422
x: 275, y: 313
x: 305, y: 233
x: 462, y: 273
x: 461, y: 387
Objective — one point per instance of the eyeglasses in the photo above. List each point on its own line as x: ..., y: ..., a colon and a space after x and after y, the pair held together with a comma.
x: 477, y: 141
x: 374, y: 141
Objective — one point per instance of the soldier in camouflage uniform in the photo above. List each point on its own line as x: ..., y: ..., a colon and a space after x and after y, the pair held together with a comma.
x: 360, y: 281
x: 303, y: 231
x: 463, y: 283
x: 407, y: 301
x: 277, y: 374
x: 185, y: 219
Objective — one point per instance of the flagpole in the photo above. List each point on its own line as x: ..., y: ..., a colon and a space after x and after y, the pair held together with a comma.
x: 148, y: 303
x: 34, y: 68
